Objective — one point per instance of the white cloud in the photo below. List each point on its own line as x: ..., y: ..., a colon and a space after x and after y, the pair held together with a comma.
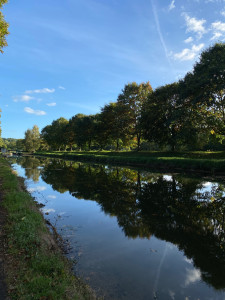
x: 34, y: 112
x: 216, y: 36
x: 194, y: 25
x: 22, y: 98
x: 41, y: 91
x: 188, y: 40
x: 218, y: 29
x: 172, y: 5
x: 61, y: 87
x: 51, y: 104
x: 223, y: 12
x: 188, y: 54
x: 218, y: 26
x: 192, y: 276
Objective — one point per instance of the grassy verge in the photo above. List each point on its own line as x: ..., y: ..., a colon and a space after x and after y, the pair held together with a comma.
x: 200, y: 161
x: 36, y: 268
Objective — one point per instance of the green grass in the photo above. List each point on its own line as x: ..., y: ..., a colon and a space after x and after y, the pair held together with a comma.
x: 198, y: 160
x: 36, y: 268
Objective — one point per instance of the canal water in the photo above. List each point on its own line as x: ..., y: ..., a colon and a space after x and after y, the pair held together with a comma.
x: 135, y: 234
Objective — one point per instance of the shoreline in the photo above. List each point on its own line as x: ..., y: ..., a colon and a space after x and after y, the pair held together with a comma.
x: 34, y: 263
x: 162, y: 162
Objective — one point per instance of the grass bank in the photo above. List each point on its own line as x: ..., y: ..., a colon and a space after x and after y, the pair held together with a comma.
x: 36, y: 267
x: 188, y: 161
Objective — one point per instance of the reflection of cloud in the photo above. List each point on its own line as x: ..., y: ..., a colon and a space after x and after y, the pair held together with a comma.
x: 48, y: 210
x: 37, y: 189
x: 168, y: 177
x: 192, y: 276
x: 206, y: 184
x: 51, y: 196
x: 172, y: 295
x: 190, y: 261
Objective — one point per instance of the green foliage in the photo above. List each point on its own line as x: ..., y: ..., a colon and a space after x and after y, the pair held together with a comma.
x: 32, y: 139
x: 83, y: 129
x: 130, y: 103
x: 3, y: 27
x: 199, y: 160
x: 54, y: 134
x: 1, y: 141
x: 177, y: 116
x: 10, y: 143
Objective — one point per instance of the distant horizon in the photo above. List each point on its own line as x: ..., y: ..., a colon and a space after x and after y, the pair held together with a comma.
x: 68, y: 58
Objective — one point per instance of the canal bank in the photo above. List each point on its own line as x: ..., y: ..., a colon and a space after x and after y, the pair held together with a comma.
x: 201, y: 161
x: 35, y: 267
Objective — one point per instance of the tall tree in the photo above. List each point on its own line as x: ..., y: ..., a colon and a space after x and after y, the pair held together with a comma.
x: 130, y: 101
x: 82, y: 130
x: 54, y: 134
x: 162, y: 116
x: 209, y: 91
x: 1, y: 141
x: 110, y: 124
x: 3, y: 28
x: 32, y: 139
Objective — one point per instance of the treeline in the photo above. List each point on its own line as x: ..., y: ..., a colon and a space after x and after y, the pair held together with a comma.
x: 185, y: 115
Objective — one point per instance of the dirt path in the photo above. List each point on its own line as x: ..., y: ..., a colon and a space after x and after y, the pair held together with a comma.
x: 3, y: 291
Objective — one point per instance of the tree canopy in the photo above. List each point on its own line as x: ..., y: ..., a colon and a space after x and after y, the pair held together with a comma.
x: 3, y: 27
x: 32, y: 139
x: 188, y: 114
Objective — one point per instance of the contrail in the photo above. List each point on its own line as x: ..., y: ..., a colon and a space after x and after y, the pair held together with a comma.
x: 159, y: 31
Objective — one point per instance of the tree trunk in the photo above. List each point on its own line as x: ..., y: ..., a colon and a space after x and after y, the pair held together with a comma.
x: 138, y: 141
x: 117, y: 145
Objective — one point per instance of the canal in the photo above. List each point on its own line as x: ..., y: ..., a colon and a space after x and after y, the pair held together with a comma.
x: 135, y: 234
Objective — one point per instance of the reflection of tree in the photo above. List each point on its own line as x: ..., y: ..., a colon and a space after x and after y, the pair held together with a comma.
x: 31, y: 164
x: 196, y: 227
x: 173, y: 208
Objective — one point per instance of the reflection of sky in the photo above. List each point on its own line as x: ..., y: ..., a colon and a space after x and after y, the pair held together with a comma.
x: 36, y: 189
x: 193, y: 275
x: 128, y: 269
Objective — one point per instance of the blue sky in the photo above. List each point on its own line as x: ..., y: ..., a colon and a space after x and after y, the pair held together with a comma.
x: 75, y: 56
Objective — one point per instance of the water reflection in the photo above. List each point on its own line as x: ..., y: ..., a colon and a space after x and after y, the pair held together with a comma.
x: 183, y: 210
